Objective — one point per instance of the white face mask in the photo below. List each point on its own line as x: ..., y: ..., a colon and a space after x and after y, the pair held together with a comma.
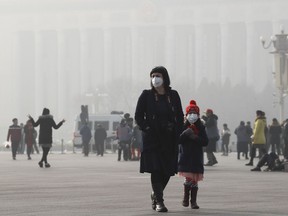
x: 192, y: 118
x: 157, y: 81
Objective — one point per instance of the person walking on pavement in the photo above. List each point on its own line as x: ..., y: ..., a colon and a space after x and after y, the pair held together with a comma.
x: 35, y: 147
x: 160, y: 116
x: 124, y: 134
x: 225, y: 138
x: 213, y: 135
x: 29, y: 138
x: 190, y: 160
x: 46, y: 123
x: 15, y: 135
x: 258, y: 137
x: 21, y: 147
x: 99, y: 136
x: 86, y: 135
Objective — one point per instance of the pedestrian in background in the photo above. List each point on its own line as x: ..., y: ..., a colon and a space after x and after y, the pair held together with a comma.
x: 285, y: 139
x: 258, y: 137
x: 100, y: 136
x: 124, y: 134
x: 225, y: 137
x: 35, y: 147
x: 249, y: 135
x: 275, y: 132
x: 242, y: 140
x: 213, y: 135
x: 15, y: 135
x: 136, y: 143
x: 86, y: 135
x: 159, y: 115
x: 190, y: 160
x: 46, y: 123
x: 29, y: 137
x: 272, y: 161
x: 21, y: 147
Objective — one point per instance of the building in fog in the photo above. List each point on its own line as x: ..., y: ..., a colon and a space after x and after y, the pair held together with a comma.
x: 62, y: 54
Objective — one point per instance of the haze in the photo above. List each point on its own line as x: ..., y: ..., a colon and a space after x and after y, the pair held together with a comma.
x: 61, y: 54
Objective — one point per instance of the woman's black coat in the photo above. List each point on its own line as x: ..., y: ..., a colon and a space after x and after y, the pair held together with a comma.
x: 46, y: 123
x: 160, y: 149
x: 191, y: 150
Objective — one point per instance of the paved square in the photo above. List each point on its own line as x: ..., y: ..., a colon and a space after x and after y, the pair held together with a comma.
x: 77, y: 185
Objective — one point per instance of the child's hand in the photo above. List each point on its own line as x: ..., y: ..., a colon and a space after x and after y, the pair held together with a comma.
x: 188, y: 132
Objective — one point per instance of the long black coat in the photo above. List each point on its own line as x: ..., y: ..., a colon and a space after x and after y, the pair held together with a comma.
x: 46, y: 123
x: 100, y: 135
x: 275, y: 134
x: 212, y: 132
x: 191, y: 150
x: 160, y: 137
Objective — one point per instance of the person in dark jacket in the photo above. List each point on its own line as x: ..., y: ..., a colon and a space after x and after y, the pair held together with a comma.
x: 46, y: 123
x: 15, y: 135
x: 86, y: 135
x: 124, y: 134
x: 160, y: 116
x: 275, y: 131
x: 99, y: 136
x: 273, y: 162
x: 136, y: 143
x: 285, y: 139
x: 190, y: 160
x: 243, y: 137
x: 249, y: 134
x: 213, y: 135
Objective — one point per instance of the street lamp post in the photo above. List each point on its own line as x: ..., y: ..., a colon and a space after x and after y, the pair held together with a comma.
x: 280, y: 43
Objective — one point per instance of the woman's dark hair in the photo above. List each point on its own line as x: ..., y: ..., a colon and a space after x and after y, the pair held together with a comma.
x: 46, y: 111
x: 166, y: 80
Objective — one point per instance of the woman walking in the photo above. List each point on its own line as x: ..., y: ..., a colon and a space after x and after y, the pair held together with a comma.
x: 160, y: 117
x: 46, y: 123
x: 190, y: 164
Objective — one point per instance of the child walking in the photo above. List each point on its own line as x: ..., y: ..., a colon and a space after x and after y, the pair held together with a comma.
x: 190, y: 161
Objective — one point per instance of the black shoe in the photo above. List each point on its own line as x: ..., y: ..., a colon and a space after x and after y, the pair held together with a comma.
x: 194, y: 205
x: 47, y: 165
x: 256, y: 169
x: 14, y: 158
x: 160, y: 207
x: 249, y: 164
x: 29, y: 158
x: 40, y: 164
